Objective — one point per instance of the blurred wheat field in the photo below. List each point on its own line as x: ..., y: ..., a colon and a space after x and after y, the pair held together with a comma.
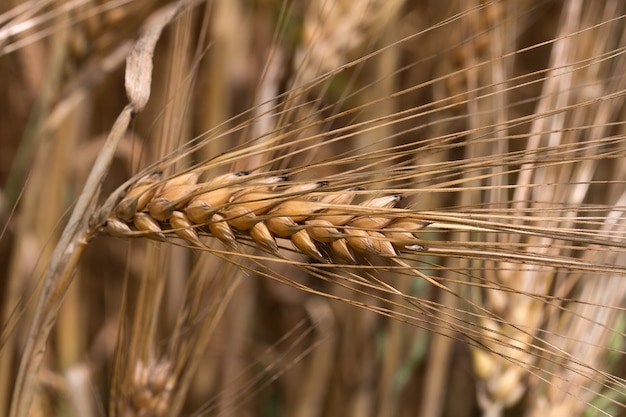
x: 500, y: 125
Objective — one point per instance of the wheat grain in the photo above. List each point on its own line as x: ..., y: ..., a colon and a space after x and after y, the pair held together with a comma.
x: 137, y: 198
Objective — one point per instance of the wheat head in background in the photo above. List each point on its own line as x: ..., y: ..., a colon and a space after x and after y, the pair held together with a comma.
x: 317, y: 208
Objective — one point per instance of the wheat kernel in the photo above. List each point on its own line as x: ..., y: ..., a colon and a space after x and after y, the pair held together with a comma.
x: 118, y: 228
x: 170, y: 199
x: 380, y: 245
x: 322, y: 230
x: 341, y: 250
x: 144, y: 223
x: 266, y: 184
x: 226, y: 179
x: 131, y: 203
x: 282, y: 226
x: 359, y: 240
x: 401, y: 234
x: 338, y: 217
x: 220, y: 229
x: 261, y: 235
x: 240, y: 217
x: 137, y: 197
x: 371, y: 222
x: 303, y: 242
x: 190, y: 178
x: 387, y: 201
x: 183, y: 228
x: 342, y: 197
x: 201, y: 207
x: 297, y: 210
x: 200, y: 212
x: 258, y: 202
x: 306, y: 187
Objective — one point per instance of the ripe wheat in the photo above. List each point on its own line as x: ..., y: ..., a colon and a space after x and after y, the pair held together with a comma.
x: 323, y: 225
x: 512, y: 140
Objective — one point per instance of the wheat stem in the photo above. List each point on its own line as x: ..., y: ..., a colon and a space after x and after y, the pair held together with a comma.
x: 60, y: 272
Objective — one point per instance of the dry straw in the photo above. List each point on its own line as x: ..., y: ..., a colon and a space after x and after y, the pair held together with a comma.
x: 456, y: 172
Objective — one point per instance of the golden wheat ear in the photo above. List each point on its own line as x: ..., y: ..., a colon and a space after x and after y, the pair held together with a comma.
x: 317, y: 222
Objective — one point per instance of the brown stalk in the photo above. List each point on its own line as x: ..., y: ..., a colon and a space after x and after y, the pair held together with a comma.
x: 77, y: 232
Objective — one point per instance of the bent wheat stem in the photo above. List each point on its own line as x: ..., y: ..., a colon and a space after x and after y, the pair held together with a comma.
x: 77, y: 232
x: 60, y: 272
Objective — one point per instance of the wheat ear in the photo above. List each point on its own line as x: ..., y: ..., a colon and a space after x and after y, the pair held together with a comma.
x: 151, y: 389
x: 324, y: 225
